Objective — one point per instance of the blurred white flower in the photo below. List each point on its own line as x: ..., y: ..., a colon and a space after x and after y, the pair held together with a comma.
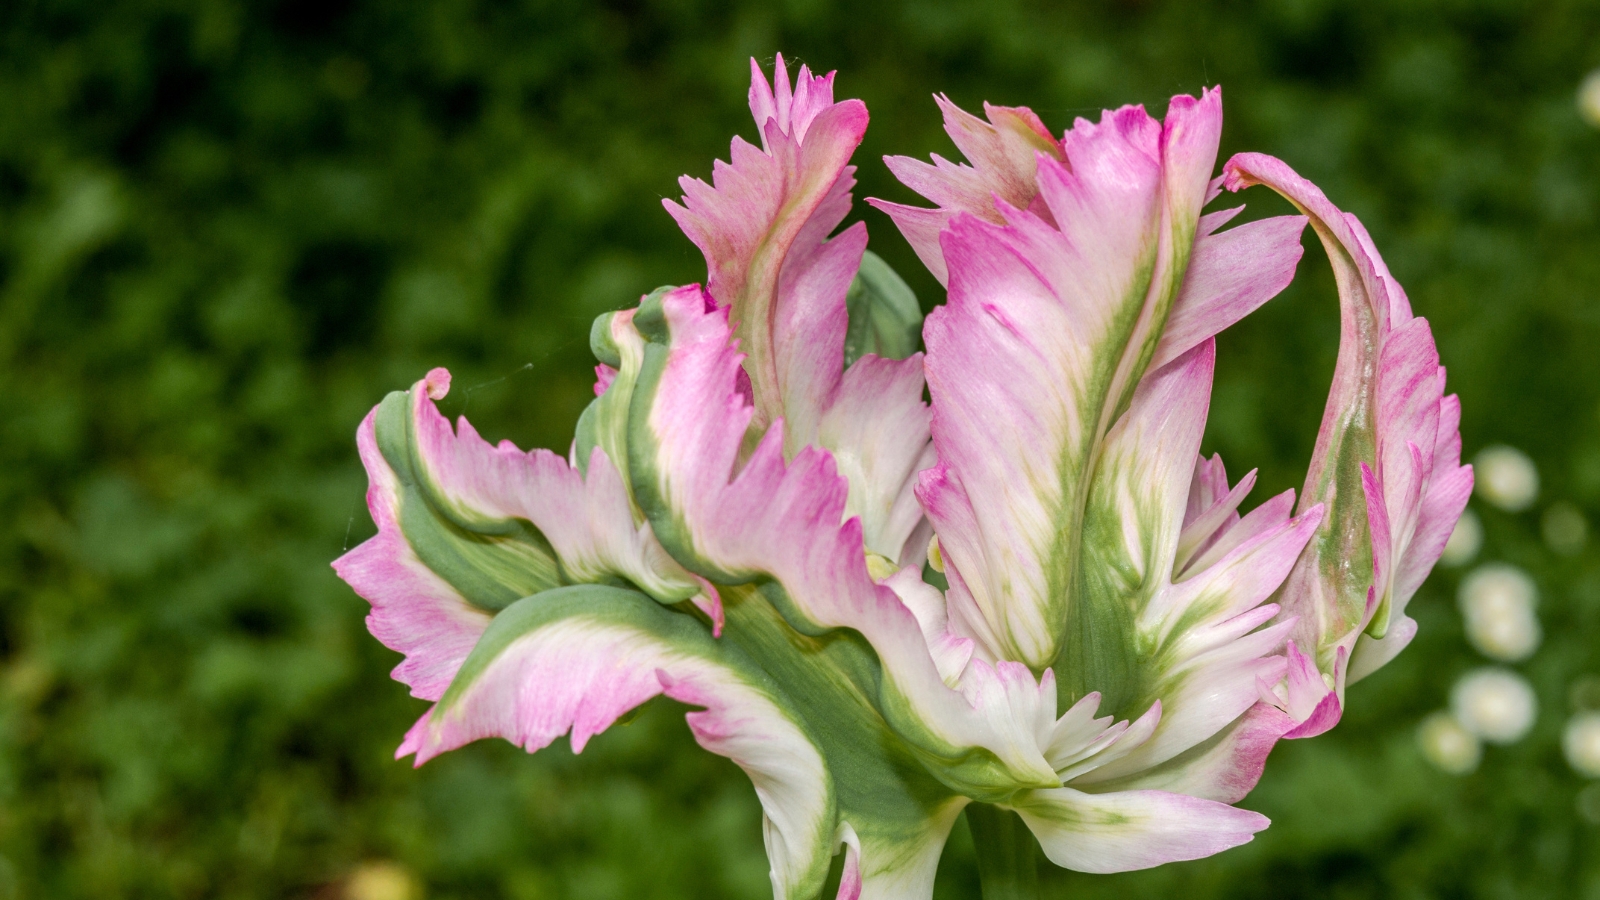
x: 1589, y: 98
x: 1581, y: 743
x: 1505, y: 638
x: 1495, y: 704
x: 1506, y: 477
x: 1465, y: 540
x: 1448, y: 746
x: 1497, y: 601
x: 1565, y: 528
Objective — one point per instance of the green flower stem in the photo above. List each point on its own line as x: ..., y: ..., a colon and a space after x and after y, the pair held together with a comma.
x: 1008, y: 866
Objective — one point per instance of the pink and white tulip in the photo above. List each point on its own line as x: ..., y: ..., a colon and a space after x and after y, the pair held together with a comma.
x: 1111, y: 647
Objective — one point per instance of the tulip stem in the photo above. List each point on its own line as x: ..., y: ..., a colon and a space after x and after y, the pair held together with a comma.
x: 1008, y: 867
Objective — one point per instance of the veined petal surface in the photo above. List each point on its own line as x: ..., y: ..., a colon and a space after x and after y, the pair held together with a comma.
x: 1048, y: 330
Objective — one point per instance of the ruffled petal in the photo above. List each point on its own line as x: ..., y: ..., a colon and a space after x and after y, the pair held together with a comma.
x: 415, y: 612
x: 763, y: 222
x: 769, y: 520
x: 1048, y: 330
x: 575, y: 659
x: 763, y: 226
x: 466, y: 528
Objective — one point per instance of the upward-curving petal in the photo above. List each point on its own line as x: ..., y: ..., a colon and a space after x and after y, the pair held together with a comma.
x: 1128, y: 830
x: 1047, y: 333
x: 763, y: 225
x: 1387, y: 459
x: 764, y: 229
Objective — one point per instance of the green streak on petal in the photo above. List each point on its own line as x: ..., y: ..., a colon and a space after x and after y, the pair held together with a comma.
x: 1096, y: 588
x: 604, y: 422
x: 853, y: 675
x: 646, y: 479
x: 887, y: 789
x: 601, y: 343
x: 628, y: 610
x: 1165, y: 294
x: 834, y: 680
x: 1344, y: 547
x: 1101, y: 650
x: 491, y: 562
x: 1075, y: 468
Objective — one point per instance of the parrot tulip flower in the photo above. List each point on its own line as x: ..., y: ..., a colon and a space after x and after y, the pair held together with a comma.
x: 1031, y: 595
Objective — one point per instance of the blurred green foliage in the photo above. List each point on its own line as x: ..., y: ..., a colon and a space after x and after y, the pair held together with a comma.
x: 227, y: 229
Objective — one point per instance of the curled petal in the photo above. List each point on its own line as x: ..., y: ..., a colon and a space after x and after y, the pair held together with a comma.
x: 414, y: 611
x: 465, y: 528
x: 1387, y: 459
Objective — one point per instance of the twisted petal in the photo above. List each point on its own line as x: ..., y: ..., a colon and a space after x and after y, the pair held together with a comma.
x: 574, y: 659
x: 1387, y: 459
x: 465, y: 528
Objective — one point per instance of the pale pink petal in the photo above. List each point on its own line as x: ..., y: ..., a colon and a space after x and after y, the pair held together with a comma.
x: 576, y: 659
x: 764, y: 229
x: 768, y: 205
x: 1230, y: 275
x: 1129, y: 830
x: 456, y: 480
x: 782, y: 520
x: 414, y: 611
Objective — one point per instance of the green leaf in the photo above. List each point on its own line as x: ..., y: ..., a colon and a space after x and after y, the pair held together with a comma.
x: 885, y: 318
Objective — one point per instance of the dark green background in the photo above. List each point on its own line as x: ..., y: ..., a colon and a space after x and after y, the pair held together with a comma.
x: 226, y: 230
